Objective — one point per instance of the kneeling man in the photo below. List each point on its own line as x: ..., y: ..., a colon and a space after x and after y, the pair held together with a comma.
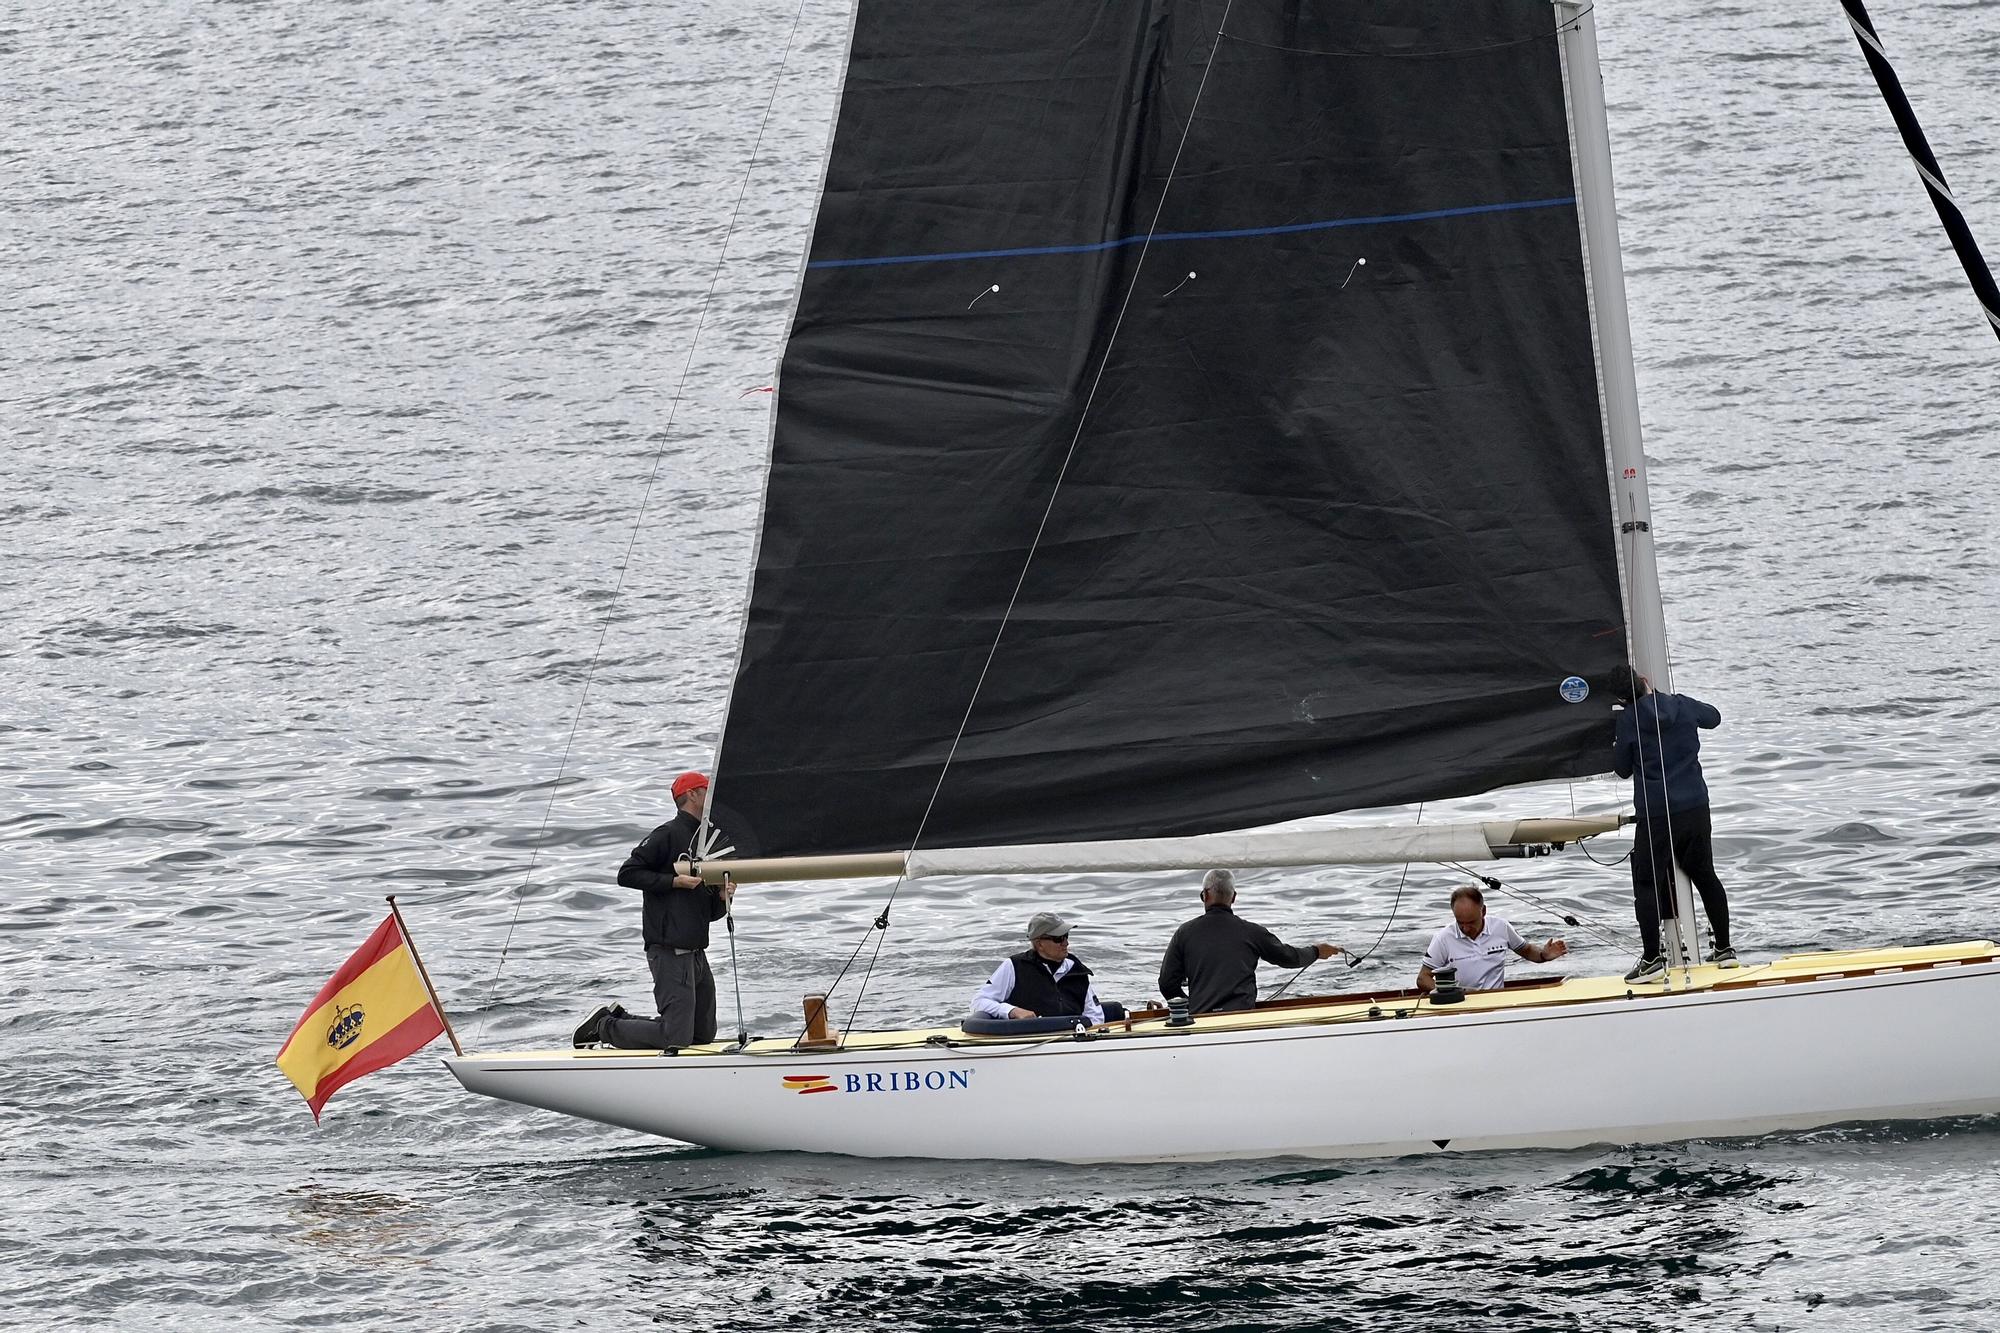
x: 1042, y: 981
x: 1477, y: 945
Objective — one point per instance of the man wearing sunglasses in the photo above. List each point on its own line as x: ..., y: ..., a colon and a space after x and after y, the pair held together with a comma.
x: 1042, y: 981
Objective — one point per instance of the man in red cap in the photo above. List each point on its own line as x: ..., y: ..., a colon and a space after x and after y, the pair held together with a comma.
x: 677, y: 910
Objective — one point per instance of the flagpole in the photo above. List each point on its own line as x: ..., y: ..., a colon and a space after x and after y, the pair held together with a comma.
x: 424, y: 972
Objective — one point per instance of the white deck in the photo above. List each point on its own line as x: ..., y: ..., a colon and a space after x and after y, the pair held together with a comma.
x: 1802, y: 1041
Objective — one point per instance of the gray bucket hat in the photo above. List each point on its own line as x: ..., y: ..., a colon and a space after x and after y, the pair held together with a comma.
x: 1047, y: 924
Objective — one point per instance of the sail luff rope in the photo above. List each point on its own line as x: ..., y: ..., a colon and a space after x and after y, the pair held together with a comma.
x: 1918, y: 146
x: 1083, y: 417
x: 638, y: 520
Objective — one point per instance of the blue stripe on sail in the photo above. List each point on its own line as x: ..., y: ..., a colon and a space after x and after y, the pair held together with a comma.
x: 1228, y: 235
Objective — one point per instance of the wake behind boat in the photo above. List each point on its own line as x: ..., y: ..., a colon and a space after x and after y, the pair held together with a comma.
x: 1117, y: 511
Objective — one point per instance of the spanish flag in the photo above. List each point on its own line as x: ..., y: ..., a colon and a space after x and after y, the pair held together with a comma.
x: 375, y: 1011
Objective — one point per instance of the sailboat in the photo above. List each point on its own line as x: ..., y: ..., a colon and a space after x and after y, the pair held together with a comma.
x: 1200, y: 418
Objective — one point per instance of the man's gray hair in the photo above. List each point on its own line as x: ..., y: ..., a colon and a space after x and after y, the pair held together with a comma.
x: 1219, y: 885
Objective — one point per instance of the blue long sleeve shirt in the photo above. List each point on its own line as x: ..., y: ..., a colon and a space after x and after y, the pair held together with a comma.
x: 1657, y: 743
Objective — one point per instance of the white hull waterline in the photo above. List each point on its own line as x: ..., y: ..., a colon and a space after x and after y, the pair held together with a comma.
x: 1806, y: 1041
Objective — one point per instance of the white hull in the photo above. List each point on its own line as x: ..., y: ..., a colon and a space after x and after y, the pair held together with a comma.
x: 1892, y: 1041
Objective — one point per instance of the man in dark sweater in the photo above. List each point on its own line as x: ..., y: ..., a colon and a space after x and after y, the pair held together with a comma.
x: 674, y: 925
x: 1215, y: 955
x: 1656, y: 741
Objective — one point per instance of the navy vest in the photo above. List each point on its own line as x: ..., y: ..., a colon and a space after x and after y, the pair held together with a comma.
x: 1035, y: 989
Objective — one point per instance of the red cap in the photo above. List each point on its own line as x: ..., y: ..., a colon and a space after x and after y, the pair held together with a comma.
x: 688, y: 782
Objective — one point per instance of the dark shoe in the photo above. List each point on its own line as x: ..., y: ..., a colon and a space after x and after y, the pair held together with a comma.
x: 591, y: 1031
x: 1648, y: 969
x: 1724, y: 957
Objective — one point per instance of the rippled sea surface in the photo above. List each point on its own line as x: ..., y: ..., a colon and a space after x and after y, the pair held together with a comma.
x: 339, y: 349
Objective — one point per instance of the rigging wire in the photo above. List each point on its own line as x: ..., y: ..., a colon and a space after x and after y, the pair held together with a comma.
x: 735, y: 972
x: 1076, y: 437
x: 1557, y: 910
x: 877, y: 931
x: 881, y: 933
x: 1355, y: 960
x: 638, y: 519
x: 1653, y: 859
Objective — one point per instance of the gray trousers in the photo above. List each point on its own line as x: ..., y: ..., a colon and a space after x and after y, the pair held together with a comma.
x: 684, y: 993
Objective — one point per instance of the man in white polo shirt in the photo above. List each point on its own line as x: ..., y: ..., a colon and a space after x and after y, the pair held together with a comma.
x: 1477, y: 945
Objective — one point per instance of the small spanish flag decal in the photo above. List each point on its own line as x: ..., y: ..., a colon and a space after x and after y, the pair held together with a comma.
x: 810, y: 1083
x: 374, y: 1012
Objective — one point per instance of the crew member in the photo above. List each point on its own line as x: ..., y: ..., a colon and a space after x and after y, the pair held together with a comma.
x: 1214, y: 956
x: 1042, y: 981
x: 1477, y: 945
x: 675, y: 911
x: 1656, y: 741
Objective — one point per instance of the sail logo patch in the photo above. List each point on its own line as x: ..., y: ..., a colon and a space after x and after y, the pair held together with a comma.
x: 1576, y: 689
x: 346, y: 1028
x: 895, y: 1080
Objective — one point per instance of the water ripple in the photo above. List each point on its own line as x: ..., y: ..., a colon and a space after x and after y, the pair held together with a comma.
x: 344, y: 347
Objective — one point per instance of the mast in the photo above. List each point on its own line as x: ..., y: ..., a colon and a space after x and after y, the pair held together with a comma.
x: 1591, y: 139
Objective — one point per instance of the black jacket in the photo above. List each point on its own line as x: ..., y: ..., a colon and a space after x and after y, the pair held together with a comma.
x: 673, y: 918
x: 1036, y: 988
x: 1657, y: 743
x: 1216, y: 955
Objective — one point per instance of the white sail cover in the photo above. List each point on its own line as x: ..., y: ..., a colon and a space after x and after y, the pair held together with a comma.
x: 1372, y: 845
x: 1380, y: 845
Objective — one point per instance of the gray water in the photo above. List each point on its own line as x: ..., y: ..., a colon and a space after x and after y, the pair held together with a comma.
x: 339, y: 346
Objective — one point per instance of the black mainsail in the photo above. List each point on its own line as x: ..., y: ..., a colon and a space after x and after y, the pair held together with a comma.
x: 1328, y: 535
